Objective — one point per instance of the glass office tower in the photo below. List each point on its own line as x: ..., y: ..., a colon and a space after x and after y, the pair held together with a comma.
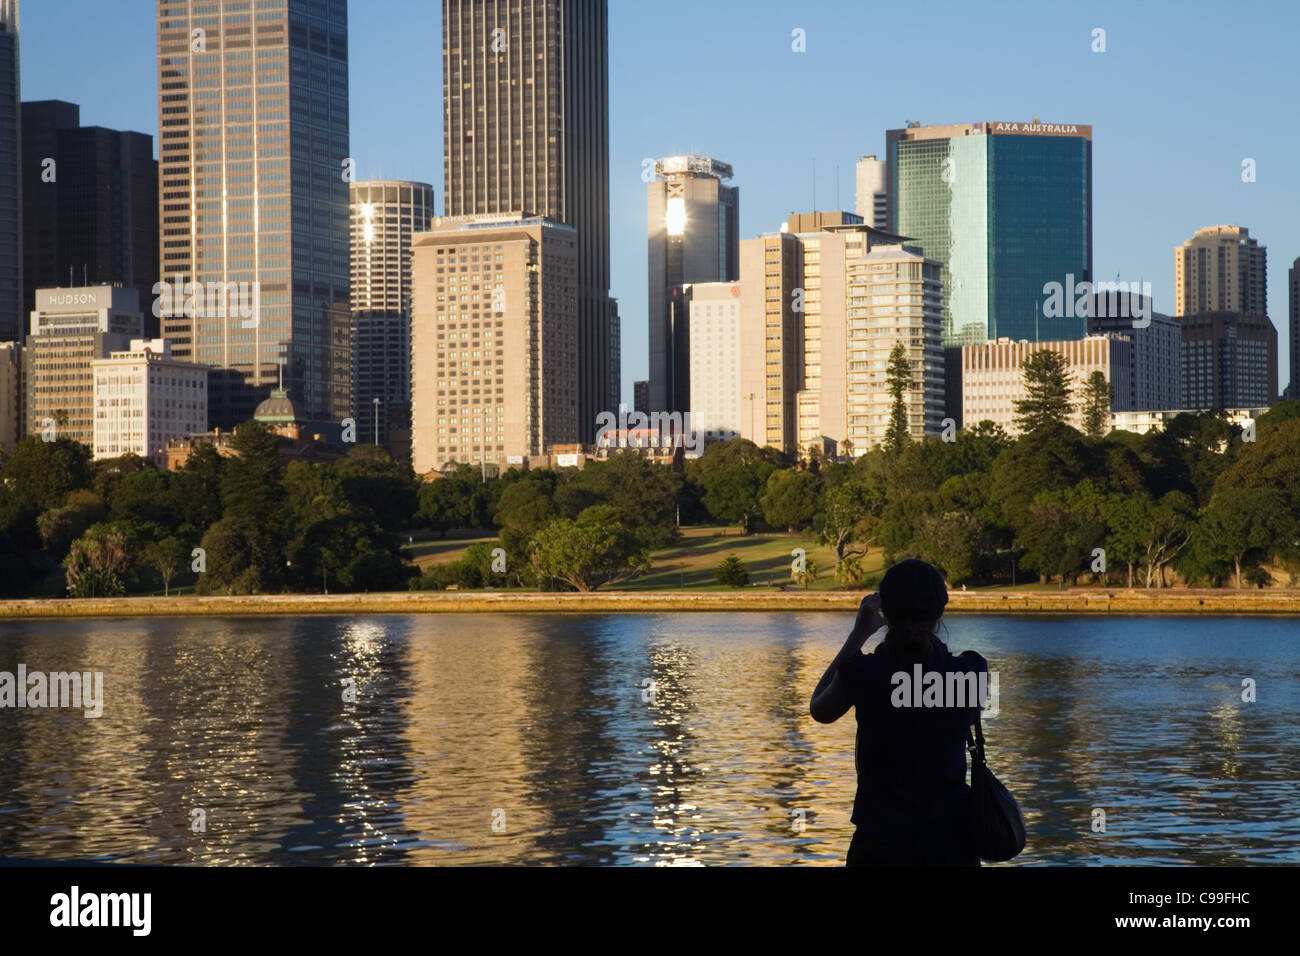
x: 254, y: 169
x: 1007, y: 208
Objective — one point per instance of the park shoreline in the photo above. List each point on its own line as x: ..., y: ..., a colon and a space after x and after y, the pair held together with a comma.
x: 1173, y: 601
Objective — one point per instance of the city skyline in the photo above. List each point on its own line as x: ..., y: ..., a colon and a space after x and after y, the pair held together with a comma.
x: 1145, y: 200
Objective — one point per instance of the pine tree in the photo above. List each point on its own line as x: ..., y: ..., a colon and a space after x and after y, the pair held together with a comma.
x: 899, y: 378
x: 1047, y: 383
x: 1096, y: 405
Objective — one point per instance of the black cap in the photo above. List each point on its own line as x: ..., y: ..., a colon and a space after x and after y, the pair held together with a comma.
x: 913, y: 590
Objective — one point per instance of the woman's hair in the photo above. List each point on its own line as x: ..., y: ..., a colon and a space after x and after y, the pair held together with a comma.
x: 912, y: 640
x: 912, y: 597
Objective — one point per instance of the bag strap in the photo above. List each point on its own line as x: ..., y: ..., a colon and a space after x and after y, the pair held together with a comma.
x: 975, y: 740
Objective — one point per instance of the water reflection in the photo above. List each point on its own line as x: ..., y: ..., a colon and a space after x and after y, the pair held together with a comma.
x: 663, y: 740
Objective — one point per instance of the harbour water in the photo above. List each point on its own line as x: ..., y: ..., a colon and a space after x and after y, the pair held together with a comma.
x: 623, y: 739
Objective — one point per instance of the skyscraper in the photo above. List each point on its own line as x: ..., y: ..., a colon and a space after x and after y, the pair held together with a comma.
x: 1007, y: 208
x: 253, y: 124
x: 526, y: 128
x: 91, y: 198
x: 1221, y: 269
x: 12, y: 313
x: 385, y: 216
x: 692, y: 223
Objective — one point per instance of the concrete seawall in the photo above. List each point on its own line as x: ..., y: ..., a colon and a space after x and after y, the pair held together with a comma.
x: 1090, y: 601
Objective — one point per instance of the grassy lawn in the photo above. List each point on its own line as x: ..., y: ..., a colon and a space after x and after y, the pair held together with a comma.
x: 427, y: 548
x: 691, y: 563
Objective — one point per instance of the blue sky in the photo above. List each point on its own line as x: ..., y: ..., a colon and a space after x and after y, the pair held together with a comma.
x: 1184, y: 92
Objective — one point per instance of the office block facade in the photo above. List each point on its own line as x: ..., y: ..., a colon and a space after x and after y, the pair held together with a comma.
x: 993, y: 378
x: 386, y: 214
x: 254, y: 170
x: 71, y: 328
x: 1007, y: 209
x: 714, y: 309
x: 494, y: 336
x: 692, y: 222
x: 1156, y: 371
x: 830, y: 241
x: 1229, y: 360
x: 526, y: 127
x: 91, y: 195
x: 144, y: 399
x: 894, y: 295
x: 771, y: 288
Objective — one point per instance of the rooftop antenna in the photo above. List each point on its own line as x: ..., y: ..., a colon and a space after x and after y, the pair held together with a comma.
x: 837, y: 186
x: 814, y: 171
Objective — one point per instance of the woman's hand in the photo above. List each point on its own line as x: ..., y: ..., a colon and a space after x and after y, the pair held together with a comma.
x: 869, y: 619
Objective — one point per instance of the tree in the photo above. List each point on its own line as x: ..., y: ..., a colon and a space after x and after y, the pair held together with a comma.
x: 1241, y: 525
x: 250, y: 536
x: 141, y: 495
x: 791, y: 498
x: 645, y: 495
x: 384, y: 489
x: 851, y: 512
x: 951, y: 542
x: 586, y: 553
x: 734, y: 495
x: 40, y: 474
x: 899, y: 379
x: 195, y: 491
x: 805, y: 573
x: 59, y: 527
x: 99, y: 561
x: 731, y: 572
x: 455, y: 500
x: 167, y: 557
x: 1047, y: 385
x: 1096, y: 405
x: 241, y: 558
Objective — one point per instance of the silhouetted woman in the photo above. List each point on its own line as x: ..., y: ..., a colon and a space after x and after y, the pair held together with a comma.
x: 912, y: 801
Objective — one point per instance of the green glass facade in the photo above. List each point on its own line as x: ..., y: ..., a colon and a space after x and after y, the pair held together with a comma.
x: 1005, y: 214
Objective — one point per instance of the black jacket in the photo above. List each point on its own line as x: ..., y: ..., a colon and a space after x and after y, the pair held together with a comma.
x: 912, y: 801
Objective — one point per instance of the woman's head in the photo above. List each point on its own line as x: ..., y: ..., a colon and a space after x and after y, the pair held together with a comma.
x: 912, y: 598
